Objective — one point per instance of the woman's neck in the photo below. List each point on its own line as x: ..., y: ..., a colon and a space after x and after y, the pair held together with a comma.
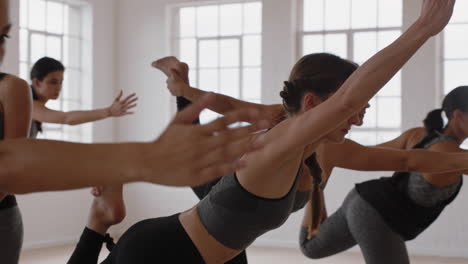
x: 39, y: 96
x: 455, y: 133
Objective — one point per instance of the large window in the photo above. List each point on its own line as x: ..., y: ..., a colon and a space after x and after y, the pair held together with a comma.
x: 455, y: 50
x: 223, y: 46
x: 54, y: 28
x: 356, y: 30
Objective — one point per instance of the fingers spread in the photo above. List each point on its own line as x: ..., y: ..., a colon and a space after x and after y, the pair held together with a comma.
x: 119, y: 96
x: 130, y: 97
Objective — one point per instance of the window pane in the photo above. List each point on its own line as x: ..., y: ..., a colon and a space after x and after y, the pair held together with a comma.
x: 55, y: 17
x: 231, y: 19
x: 253, y: 18
x: 229, y: 84
x: 252, y: 51
x: 193, y: 78
x: 312, y: 44
x: 337, y: 14
x: 229, y: 52
x: 24, y: 40
x: 252, y: 83
x: 390, y: 13
x: 363, y: 137
x: 370, y: 118
x: 209, y: 80
x: 54, y: 47
x: 455, y: 74
x: 72, y: 19
x: 207, y: 21
x: 72, y: 52
x: 209, y: 53
x: 187, y: 22
x: 188, y: 52
x: 389, y: 112
x: 459, y: 13
x: 72, y: 85
x: 456, y: 42
x: 37, y: 14
x: 313, y: 15
x: 337, y: 44
x: 23, y: 13
x: 37, y: 47
x: 393, y: 87
x: 365, y: 45
x: 24, y: 71
x: 364, y: 13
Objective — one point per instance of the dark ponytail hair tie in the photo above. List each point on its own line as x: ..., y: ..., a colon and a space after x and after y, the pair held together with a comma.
x: 433, y: 121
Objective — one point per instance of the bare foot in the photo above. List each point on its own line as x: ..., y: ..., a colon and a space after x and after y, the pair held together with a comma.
x: 167, y: 64
x: 108, y: 208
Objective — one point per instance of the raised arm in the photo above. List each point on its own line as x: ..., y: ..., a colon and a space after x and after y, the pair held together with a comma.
x: 372, y: 75
x: 178, y: 85
x: 118, y: 108
x: 351, y: 155
x: 206, y: 152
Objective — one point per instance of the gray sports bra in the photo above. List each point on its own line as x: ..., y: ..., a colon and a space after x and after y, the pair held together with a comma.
x: 425, y: 194
x: 236, y: 217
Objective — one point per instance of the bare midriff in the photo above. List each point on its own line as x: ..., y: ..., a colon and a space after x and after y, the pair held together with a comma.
x: 212, y: 251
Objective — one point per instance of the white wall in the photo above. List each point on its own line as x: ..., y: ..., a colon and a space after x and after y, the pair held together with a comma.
x: 55, y: 218
x: 144, y: 37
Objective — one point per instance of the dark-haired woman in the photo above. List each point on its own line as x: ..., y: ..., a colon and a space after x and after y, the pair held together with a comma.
x: 388, y: 156
x: 380, y: 215
x: 261, y: 197
x: 47, y: 77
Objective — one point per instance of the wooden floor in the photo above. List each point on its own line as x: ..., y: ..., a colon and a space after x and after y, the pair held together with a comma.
x: 59, y: 255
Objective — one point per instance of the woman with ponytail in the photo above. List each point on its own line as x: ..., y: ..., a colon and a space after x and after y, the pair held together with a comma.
x: 322, y: 236
x: 46, y: 78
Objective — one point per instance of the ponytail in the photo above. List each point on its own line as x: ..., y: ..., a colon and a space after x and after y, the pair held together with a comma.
x: 434, y: 122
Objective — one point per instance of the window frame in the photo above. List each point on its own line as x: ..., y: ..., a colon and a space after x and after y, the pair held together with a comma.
x: 81, y: 133
x: 175, y: 40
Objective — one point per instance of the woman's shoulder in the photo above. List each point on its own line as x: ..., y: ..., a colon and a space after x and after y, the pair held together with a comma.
x: 413, y: 136
x: 13, y: 87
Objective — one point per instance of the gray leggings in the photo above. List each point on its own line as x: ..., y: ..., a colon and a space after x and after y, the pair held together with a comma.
x: 356, y: 222
x: 11, y: 235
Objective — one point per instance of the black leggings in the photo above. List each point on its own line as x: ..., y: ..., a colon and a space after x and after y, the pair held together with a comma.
x: 160, y: 240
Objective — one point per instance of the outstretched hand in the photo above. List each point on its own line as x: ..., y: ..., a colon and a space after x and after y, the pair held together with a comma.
x: 122, y: 107
x: 194, y: 154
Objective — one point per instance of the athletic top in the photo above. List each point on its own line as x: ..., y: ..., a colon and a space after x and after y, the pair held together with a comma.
x: 10, y: 200
x: 36, y: 126
x: 235, y: 217
x: 406, y: 201
x: 301, y: 200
